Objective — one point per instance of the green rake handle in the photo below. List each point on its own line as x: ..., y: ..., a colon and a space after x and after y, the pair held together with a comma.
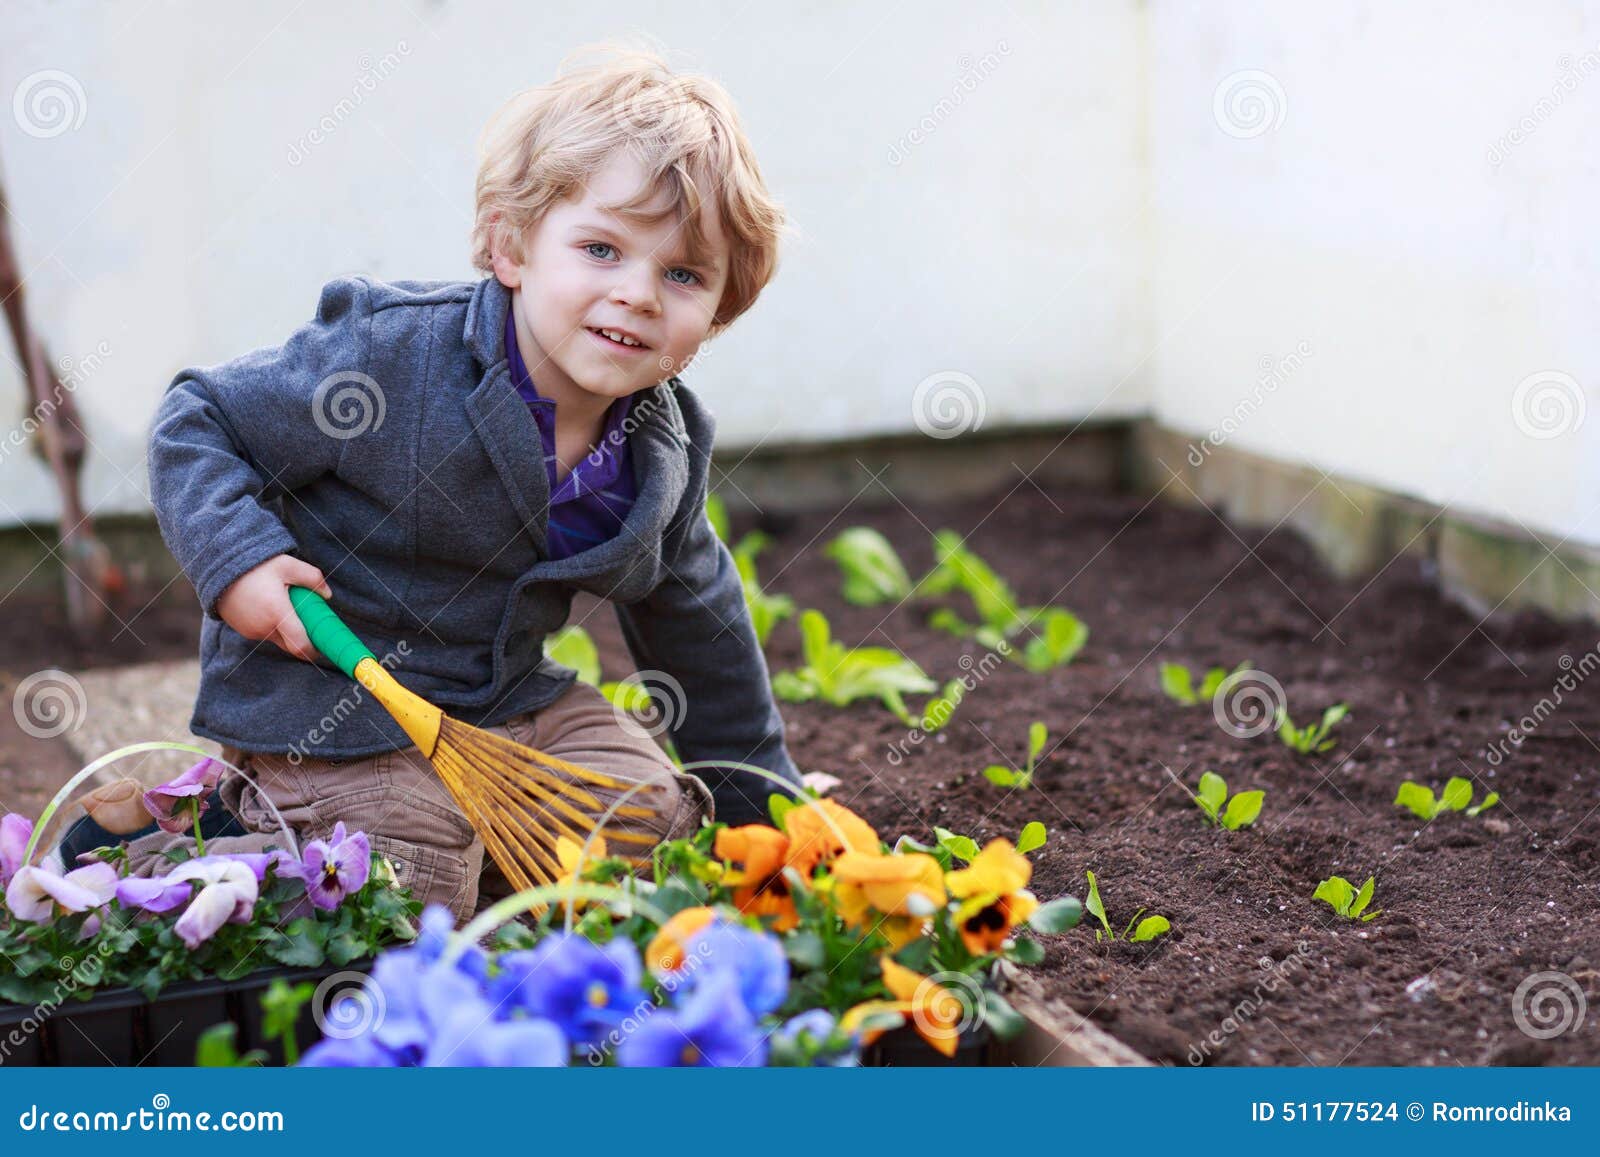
x: 327, y: 630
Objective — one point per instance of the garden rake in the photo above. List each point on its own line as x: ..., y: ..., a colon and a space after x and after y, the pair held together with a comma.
x: 520, y: 800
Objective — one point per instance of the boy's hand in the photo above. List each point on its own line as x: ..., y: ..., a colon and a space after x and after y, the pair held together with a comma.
x: 257, y: 603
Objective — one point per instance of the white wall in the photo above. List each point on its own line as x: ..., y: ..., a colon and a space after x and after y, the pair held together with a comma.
x: 189, y: 218
x: 1079, y: 233
x: 1428, y: 265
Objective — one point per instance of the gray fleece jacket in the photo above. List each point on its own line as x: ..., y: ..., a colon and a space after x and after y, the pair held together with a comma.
x: 385, y: 444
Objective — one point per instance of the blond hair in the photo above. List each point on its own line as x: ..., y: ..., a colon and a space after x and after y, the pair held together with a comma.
x: 542, y: 144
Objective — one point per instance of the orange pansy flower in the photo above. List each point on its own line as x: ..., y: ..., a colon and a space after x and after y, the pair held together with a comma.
x: 994, y: 896
x: 666, y: 950
x: 935, y: 1012
x: 755, y: 854
x: 812, y: 839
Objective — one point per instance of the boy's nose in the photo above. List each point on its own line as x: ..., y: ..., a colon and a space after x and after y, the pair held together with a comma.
x: 637, y: 290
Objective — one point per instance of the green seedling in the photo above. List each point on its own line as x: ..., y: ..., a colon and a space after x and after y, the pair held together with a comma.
x: 1002, y: 776
x: 1149, y: 928
x: 1179, y: 685
x: 573, y: 647
x: 1312, y: 739
x: 839, y: 675
x: 766, y: 610
x: 1343, y: 897
x: 1241, y: 811
x: 873, y: 572
x: 965, y: 848
x: 1455, y: 797
x: 1056, y: 635
x: 959, y: 569
x: 942, y: 707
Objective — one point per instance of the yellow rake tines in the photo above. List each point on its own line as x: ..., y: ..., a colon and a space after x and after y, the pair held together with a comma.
x: 519, y: 800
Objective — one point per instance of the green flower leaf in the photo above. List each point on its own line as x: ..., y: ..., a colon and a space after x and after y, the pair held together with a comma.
x: 1063, y: 913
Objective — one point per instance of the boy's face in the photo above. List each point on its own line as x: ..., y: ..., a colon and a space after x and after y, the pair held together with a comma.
x: 586, y: 269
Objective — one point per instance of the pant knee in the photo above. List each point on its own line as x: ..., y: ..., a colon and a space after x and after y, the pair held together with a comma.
x: 434, y: 875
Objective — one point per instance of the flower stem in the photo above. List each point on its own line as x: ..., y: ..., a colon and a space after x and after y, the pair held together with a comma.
x: 199, y: 840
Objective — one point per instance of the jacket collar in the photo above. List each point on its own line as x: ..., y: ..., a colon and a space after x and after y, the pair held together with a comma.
x: 657, y: 439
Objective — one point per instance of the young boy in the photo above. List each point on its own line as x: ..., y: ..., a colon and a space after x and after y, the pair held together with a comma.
x: 449, y: 463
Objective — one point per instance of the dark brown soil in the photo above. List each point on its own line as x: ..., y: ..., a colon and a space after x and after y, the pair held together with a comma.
x: 143, y: 623
x: 1254, y: 971
x: 1470, y: 907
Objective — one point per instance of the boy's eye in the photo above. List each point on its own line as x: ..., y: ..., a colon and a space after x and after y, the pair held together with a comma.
x: 689, y: 276
x: 605, y: 250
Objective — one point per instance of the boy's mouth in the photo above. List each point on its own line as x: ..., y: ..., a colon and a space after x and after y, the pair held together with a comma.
x: 618, y: 339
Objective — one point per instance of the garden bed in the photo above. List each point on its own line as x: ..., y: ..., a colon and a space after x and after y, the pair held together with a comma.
x: 1470, y: 907
x: 122, y: 1027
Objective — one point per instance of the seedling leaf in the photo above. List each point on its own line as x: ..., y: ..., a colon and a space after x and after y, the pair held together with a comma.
x: 1002, y: 776
x: 717, y: 516
x: 1457, y: 794
x: 1363, y: 898
x: 1033, y: 836
x: 1336, y: 890
x: 1243, y: 809
x: 1096, y: 908
x: 1488, y: 802
x: 942, y: 707
x: 1177, y: 684
x: 1344, y: 899
x: 1149, y: 928
x: 1063, y: 637
x: 840, y: 675
x: 1036, y: 740
x: 873, y: 572
x: 1418, y: 799
x: 572, y: 647
x: 963, y: 848
x: 1212, y: 795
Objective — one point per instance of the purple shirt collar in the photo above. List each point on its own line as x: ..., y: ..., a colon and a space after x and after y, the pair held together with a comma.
x: 595, y: 471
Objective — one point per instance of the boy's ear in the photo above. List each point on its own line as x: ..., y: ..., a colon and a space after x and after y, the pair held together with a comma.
x: 508, y: 272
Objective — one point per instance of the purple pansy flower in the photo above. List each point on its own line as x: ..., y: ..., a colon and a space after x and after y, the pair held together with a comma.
x: 281, y: 861
x: 335, y: 867
x: 227, y: 893
x: 34, y: 893
x: 584, y: 988
x: 155, y: 893
x: 712, y: 1028
x: 217, y: 890
x: 169, y: 803
x: 15, y: 832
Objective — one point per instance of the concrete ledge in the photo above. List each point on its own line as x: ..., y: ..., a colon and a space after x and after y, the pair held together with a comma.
x: 1493, y: 568
x: 790, y: 478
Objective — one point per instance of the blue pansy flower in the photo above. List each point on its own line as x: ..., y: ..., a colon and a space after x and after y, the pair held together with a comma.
x: 425, y: 1012
x: 818, y: 1024
x: 711, y: 1028
x: 754, y: 959
x: 584, y: 988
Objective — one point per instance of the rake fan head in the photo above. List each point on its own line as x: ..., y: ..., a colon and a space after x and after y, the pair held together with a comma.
x: 522, y: 801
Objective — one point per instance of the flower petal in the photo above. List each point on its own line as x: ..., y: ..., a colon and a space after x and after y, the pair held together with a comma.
x: 207, y: 912
x: 15, y: 831
x: 156, y: 894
